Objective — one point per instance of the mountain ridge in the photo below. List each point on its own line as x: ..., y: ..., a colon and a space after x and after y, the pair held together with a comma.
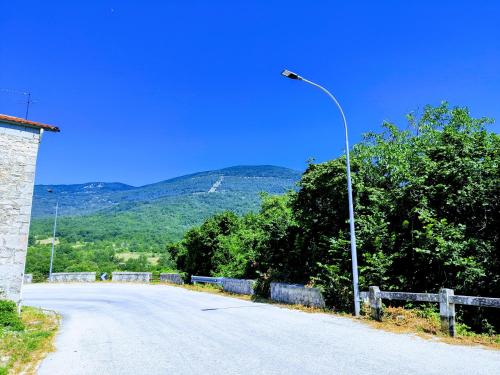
x: 148, y: 216
x: 87, y: 198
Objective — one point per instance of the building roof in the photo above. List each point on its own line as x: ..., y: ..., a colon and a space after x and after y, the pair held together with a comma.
x: 23, y: 122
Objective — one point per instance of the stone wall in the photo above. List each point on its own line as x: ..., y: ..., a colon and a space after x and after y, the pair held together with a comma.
x: 173, y: 278
x: 28, y: 278
x: 296, y: 294
x: 18, y: 151
x: 139, y: 277
x: 72, y: 277
x: 238, y: 286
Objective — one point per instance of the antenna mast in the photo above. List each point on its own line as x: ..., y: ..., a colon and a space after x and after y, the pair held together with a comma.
x: 28, y: 102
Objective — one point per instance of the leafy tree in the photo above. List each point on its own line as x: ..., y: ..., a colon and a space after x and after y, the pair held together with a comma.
x: 427, y: 209
x: 200, y: 244
x: 166, y: 262
x: 427, y: 216
x: 139, y: 264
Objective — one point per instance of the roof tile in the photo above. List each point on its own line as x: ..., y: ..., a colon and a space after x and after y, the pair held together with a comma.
x: 23, y: 122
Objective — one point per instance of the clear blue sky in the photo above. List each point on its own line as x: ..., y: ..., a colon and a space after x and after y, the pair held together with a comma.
x: 145, y: 90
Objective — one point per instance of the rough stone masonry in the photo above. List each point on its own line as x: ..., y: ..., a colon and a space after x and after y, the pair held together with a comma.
x: 19, y: 140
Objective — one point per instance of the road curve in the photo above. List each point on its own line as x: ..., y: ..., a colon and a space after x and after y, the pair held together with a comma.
x: 158, y: 329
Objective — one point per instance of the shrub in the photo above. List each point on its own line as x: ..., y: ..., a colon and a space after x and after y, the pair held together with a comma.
x: 8, y: 316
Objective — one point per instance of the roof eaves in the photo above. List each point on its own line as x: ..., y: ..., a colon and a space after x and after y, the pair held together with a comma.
x: 22, y: 122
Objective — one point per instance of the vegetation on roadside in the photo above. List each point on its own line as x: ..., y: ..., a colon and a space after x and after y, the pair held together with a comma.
x: 24, y: 341
x: 8, y: 316
x: 88, y: 257
x: 423, y: 320
x: 427, y: 216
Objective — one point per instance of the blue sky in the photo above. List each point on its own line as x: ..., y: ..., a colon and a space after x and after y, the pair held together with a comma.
x: 145, y: 90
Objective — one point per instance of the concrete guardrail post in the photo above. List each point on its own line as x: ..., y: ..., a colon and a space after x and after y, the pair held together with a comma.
x: 375, y: 302
x: 447, y: 311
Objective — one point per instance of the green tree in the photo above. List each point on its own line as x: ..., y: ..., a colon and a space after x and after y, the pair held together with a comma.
x: 139, y: 264
x: 427, y: 209
x: 201, y: 243
x: 427, y: 216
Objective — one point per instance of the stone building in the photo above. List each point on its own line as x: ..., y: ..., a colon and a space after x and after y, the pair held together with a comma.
x: 19, y: 140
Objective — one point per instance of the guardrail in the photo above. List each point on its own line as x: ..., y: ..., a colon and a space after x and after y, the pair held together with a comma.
x: 206, y: 280
x: 446, y: 299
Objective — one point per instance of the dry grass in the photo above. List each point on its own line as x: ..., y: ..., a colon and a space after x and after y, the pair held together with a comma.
x: 126, y: 255
x: 422, y: 322
x: 426, y: 324
x: 21, y: 352
x: 47, y: 241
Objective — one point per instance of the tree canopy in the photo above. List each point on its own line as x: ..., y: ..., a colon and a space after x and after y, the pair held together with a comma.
x: 426, y: 216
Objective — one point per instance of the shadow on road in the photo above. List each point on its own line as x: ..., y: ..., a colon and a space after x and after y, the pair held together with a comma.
x: 225, y: 308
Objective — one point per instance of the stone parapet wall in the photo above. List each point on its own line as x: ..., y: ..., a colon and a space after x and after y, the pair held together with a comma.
x: 296, y: 294
x: 173, y: 278
x: 28, y: 278
x: 18, y: 151
x: 238, y: 286
x: 72, y: 277
x: 138, y: 277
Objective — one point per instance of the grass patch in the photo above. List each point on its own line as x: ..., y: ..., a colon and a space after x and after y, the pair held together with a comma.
x: 47, y: 241
x: 425, y: 322
x: 126, y: 255
x: 22, y: 350
x: 8, y: 316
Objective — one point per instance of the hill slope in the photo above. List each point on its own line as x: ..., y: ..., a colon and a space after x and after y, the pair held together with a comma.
x: 153, y: 214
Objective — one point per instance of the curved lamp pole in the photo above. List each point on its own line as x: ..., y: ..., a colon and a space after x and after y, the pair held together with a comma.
x: 354, y: 256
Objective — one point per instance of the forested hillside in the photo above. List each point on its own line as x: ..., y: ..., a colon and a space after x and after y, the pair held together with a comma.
x: 145, y: 218
x: 105, y: 227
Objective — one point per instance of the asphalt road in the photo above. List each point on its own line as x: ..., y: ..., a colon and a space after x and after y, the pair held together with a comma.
x: 156, y: 329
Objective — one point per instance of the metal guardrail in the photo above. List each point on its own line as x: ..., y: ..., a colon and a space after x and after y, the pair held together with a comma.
x: 206, y: 279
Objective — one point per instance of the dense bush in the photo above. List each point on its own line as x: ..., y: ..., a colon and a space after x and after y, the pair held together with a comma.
x: 427, y: 210
x: 427, y: 216
x: 8, y: 316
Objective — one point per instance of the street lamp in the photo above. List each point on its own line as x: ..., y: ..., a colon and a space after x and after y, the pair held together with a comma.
x: 53, y: 236
x: 354, y: 257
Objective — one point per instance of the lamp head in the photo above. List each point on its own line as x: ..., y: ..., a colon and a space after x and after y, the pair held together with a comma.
x: 289, y: 74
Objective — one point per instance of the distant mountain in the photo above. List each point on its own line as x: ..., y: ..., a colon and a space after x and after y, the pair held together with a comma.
x: 81, y: 199
x: 75, y: 199
x: 157, y: 212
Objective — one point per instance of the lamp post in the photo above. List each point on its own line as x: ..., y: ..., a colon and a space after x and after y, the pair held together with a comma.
x: 53, y: 237
x: 354, y: 257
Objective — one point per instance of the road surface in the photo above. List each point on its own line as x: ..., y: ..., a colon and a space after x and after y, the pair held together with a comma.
x: 157, y: 329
